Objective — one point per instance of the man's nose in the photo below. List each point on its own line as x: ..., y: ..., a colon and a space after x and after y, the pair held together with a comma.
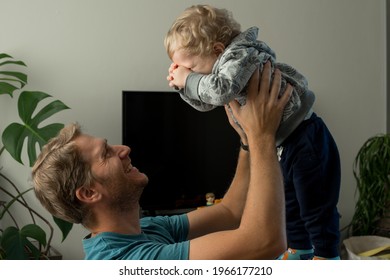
x: 123, y: 151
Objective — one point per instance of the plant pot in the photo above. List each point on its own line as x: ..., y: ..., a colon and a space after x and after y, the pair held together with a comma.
x: 358, y: 246
x: 53, y: 254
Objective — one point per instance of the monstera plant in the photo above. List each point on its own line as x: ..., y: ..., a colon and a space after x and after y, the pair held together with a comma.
x: 29, y: 135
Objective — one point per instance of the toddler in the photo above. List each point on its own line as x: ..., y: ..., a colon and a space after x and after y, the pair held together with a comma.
x: 212, y: 61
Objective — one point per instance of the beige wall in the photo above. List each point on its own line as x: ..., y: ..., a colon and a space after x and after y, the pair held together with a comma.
x: 85, y: 52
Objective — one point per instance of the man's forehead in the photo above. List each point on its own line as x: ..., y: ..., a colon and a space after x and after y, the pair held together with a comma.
x: 89, y: 146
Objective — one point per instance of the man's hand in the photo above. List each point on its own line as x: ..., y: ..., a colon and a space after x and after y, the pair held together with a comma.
x: 177, y: 76
x: 262, y: 113
x: 235, y: 125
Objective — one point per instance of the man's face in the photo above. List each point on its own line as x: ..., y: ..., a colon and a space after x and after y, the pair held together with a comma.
x: 111, y: 167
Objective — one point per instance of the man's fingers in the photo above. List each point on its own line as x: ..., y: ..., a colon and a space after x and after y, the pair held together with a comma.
x: 286, y: 96
x: 265, y: 80
x: 234, y: 106
x: 229, y: 114
x: 253, y: 86
x: 276, y: 83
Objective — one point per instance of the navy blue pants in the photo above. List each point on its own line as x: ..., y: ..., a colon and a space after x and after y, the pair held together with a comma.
x: 311, y: 168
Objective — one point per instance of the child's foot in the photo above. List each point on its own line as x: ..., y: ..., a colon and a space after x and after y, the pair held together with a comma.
x: 295, y: 254
x: 322, y: 258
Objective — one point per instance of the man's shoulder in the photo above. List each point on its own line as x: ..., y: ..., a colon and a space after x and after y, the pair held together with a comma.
x: 163, y: 221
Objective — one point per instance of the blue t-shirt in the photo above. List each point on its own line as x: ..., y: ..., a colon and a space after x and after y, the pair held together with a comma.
x: 162, y: 238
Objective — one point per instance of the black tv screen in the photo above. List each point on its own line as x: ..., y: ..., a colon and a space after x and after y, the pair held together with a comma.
x: 184, y: 152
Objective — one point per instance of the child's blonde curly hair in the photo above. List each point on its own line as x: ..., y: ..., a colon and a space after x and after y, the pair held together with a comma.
x: 198, y: 28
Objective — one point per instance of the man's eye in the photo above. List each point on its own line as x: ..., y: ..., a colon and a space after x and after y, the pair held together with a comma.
x: 106, y: 151
x: 109, y: 151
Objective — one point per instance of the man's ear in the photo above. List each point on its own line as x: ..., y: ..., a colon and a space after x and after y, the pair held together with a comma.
x: 218, y: 48
x: 88, y: 194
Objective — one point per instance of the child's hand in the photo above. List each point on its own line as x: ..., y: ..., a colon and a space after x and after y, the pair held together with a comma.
x: 177, y: 76
x: 172, y: 67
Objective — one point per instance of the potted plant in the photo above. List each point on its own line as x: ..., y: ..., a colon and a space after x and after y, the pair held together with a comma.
x: 371, y: 169
x: 27, y: 241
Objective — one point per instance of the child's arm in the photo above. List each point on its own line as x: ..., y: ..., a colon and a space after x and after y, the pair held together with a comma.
x: 229, y: 77
x: 177, y: 76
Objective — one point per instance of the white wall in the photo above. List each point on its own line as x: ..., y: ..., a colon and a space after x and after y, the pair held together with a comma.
x: 85, y: 52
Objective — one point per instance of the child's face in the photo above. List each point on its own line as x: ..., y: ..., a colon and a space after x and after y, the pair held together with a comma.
x: 200, y: 64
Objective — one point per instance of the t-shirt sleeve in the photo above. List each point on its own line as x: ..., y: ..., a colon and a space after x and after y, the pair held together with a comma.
x: 168, y: 238
x: 180, y: 227
x: 177, y: 226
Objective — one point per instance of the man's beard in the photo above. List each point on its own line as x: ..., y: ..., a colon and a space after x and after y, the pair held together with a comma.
x: 125, y: 198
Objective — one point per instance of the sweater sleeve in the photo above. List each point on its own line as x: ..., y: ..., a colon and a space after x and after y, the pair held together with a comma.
x: 227, y: 80
x: 190, y: 93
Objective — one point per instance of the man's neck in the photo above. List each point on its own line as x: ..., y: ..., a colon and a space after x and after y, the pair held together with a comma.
x: 123, y: 223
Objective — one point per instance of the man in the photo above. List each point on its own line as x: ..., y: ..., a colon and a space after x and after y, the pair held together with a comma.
x: 82, y: 179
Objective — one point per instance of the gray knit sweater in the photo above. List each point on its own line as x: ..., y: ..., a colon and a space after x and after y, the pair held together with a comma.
x: 231, y: 73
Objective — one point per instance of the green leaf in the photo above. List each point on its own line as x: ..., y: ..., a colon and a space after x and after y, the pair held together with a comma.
x: 13, y: 62
x: 15, y: 134
x: 12, y: 244
x: 11, y: 80
x: 14, y: 241
x: 371, y: 169
x: 7, y: 88
x: 33, y: 251
x: 35, y: 232
x: 4, y: 55
x: 28, y: 102
x: 64, y: 226
x: 15, y: 76
x: 13, y: 137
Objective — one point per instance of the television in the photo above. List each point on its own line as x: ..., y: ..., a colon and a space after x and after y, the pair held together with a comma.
x: 184, y: 152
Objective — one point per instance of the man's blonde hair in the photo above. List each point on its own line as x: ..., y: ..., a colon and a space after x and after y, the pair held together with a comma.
x: 58, y: 172
x: 198, y: 28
